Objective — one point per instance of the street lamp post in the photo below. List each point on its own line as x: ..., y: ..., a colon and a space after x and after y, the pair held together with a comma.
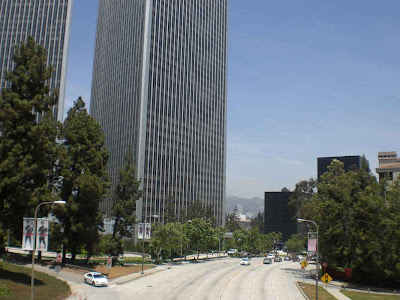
x: 317, y: 262
x: 152, y: 216
x: 34, y: 242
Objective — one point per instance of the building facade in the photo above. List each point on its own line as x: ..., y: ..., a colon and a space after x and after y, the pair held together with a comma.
x: 159, y: 85
x: 48, y: 22
x: 389, y: 166
x: 277, y: 217
x: 349, y: 162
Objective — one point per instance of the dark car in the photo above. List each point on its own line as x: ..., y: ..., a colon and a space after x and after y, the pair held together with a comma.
x: 278, y: 259
x: 295, y: 259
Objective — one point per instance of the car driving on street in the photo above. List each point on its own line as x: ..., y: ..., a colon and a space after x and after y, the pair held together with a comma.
x: 245, y: 262
x: 267, y: 260
x: 95, y: 279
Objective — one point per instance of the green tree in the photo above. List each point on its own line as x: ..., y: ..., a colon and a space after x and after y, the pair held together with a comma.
x: 167, y: 238
x: 296, y: 243
x: 200, y: 234
x: 28, y: 148
x: 258, y: 222
x: 126, y: 194
x: 83, y: 160
x: 302, y: 194
x: 357, y: 223
x: 170, y: 215
x: 232, y: 221
x: 195, y: 210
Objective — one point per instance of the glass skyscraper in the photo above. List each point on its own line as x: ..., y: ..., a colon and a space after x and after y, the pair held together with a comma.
x: 48, y: 22
x: 159, y: 85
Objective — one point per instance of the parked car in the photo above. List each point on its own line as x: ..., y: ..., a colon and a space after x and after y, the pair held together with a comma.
x: 271, y: 256
x: 278, y: 259
x: 295, y: 259
x: 95, y: 279
x: 231, y: 251
x: 287, y: 258
x: 267, y: 261
x: 245, y: 262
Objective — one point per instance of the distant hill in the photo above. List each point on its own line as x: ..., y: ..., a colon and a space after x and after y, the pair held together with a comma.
x: 250, y: 205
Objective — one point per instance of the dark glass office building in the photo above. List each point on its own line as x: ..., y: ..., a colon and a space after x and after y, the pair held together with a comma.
x: 159, y: 84
x: 348, y: 161
x: 277, y: 216
x: 48, y: 22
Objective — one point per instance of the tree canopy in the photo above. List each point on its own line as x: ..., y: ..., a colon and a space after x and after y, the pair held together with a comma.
x: 28, y: 149
x: 357, y: 223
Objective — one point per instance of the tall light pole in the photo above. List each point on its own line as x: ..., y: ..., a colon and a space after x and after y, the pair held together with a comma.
x: 317, y: 262
x: 62, y: 202
x: 145, y: 219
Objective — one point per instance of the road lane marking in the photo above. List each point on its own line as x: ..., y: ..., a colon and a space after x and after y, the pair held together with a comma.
x: 112, y: 286
x: 223, y: 290
x: 142, y: 291
x: 272, y: 284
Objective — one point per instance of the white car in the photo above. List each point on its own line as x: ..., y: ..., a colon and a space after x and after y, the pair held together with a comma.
x: 245, y: 262
x: 95, y: 279
x: 271, y: 256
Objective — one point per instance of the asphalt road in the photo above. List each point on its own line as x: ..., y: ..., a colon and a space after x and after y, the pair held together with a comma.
x: 220, y: 279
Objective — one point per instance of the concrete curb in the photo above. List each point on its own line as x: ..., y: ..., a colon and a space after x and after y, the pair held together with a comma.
x: 301, y: 290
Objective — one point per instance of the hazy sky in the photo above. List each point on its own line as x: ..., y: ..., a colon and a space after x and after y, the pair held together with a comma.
x: 305, y: 79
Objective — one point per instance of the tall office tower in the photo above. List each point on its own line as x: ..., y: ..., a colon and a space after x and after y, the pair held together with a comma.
x: 48, y: 22
x: 159, y: 84
x: 277, y: 217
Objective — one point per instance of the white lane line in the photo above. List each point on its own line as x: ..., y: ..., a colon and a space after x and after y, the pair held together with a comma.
x: 142, y: 291
x: 112, y: 286
x: 272, y: 284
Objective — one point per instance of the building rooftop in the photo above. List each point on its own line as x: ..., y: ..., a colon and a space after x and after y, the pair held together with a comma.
x: 389, y: 167
x: 389, y: 153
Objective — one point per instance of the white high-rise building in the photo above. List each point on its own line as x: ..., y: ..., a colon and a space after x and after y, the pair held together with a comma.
x: 48, y: 22
x: 159, y: 84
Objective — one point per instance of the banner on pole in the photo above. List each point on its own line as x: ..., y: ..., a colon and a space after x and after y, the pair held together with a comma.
x: 28, y: 234
x: 42, y: 235
x: 147, y: 233
x: 312, y: 242
x: 140, y: 231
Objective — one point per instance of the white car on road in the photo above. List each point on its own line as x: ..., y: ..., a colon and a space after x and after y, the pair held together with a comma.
x: 245, y: 262
x: 95, y: 279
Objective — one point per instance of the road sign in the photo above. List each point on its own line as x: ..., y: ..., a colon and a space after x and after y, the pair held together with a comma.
x: 347, y: 271
x: 326, y: 278
x: 325, y: 264
x: 59, y: 257
x: 304, y: 264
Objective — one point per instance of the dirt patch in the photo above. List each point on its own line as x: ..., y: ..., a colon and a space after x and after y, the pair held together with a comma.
x: 115, y: 272
x: 118, y: 271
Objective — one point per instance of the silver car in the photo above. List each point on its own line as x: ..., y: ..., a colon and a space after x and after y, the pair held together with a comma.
x: 95, y: 279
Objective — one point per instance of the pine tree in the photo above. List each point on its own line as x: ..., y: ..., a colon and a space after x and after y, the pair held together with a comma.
x: 28, y: 131
x: 126, y: 194
x: 83, y: 160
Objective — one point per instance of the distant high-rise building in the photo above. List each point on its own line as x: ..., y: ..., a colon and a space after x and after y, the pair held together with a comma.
x: 159, y: 84
x: 48, y: 22
x: 277, y: 217
x: 352, y: 161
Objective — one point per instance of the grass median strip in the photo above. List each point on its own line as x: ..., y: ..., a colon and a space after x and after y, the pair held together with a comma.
x: 368, y: 296
x: 309, y: 290
x: 15, y: 283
